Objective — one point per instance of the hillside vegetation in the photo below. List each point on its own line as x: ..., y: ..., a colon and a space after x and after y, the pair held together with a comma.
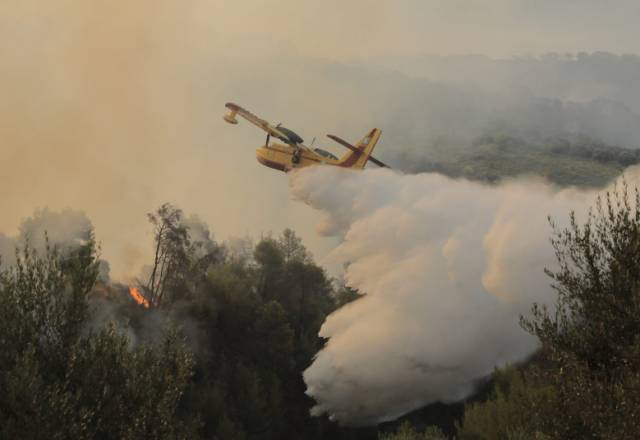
x: 218, y: 348
x: 568, y: 160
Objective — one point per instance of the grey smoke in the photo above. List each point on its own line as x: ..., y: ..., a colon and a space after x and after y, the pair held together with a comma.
x: 416, y: 109
x: 64, y: 230
x: 577, y: 77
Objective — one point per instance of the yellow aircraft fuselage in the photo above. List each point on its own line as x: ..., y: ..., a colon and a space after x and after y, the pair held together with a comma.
x: 285, y: 157
x: 294, y: 154
x: 280, y: 157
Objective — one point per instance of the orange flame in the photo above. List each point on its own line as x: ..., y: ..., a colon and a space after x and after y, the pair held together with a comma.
x: 137, y: 297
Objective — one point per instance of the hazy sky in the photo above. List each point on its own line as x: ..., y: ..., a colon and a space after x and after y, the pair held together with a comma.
x: 115, y: 107
x: 336, y: 28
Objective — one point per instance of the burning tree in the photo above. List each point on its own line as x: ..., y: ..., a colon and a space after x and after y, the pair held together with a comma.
x: 184, y: 249
x: 171, y: 254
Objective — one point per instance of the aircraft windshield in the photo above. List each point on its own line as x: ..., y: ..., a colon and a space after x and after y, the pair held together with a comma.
x: 293, y: 137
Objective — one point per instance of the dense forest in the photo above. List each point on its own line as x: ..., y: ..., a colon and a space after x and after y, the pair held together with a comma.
x: 567, y: 159
x: 212, y: 342
x: 214, y: 346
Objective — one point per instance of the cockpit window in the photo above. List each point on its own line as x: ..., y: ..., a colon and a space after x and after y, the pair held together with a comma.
x: 293, y: 137
x: 324, y: 153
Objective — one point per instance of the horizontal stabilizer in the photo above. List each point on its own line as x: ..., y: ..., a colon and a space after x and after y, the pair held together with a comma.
x: 357, y: 150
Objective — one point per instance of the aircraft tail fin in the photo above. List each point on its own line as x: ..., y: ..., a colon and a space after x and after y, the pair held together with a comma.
x: 361, y: 152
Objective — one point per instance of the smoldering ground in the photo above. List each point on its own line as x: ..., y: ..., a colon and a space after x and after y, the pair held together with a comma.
x: 447, y: 266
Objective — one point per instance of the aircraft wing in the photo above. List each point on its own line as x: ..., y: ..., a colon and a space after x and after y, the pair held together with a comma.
x: 255, y: 120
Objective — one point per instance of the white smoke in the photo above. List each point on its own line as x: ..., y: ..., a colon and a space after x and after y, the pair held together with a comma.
x: 447, y: 267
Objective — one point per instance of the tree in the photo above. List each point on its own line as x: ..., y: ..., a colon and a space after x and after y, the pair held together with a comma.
x: 591, y: 341
x: 270, y: 260
x: 516, y: 408
x: 172, y: 243
x: 257, y: 321
x: 345, y: 294
x: 292, y: 248
x: 59, y: 379
x: 407, y: 432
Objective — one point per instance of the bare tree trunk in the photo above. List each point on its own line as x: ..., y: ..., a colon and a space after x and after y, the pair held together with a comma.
x: 152, y: 280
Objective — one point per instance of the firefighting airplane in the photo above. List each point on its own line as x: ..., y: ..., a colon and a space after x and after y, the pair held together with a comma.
x: 294, y: 154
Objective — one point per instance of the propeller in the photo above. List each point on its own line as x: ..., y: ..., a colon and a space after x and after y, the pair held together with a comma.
x: 355, y: 150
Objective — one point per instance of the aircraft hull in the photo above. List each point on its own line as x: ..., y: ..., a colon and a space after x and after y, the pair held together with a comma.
x: 280, y: 157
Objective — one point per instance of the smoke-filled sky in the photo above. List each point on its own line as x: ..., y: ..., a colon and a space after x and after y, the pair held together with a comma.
x: 335, y: 28
x: 113, y: 108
